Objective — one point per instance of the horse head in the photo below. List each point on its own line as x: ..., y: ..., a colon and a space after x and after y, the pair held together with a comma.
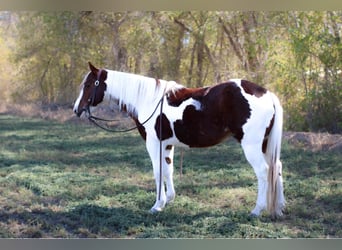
x: 92, y: 91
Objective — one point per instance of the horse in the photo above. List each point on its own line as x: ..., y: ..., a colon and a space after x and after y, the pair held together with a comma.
x: 196, y: 117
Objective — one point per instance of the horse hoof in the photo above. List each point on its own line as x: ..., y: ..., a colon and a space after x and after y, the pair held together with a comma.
x: 154, y: 211
x: 253, y: 215
x: 170, y: 201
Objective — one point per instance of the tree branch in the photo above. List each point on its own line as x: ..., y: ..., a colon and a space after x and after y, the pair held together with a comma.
x: 231, y: 40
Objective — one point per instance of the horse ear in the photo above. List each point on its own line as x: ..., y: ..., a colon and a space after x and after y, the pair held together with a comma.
x: 92, y: 68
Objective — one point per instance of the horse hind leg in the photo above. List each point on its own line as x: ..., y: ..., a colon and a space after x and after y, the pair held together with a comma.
x: 256, y: 159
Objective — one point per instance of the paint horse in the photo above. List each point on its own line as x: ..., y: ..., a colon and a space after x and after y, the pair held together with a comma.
x: 196, y: 117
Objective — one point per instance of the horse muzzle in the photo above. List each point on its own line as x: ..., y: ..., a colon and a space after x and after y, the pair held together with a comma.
x: 79, y: 112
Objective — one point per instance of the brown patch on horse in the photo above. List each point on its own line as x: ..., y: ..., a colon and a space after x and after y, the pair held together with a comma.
x: 168, y: 160
x: 166, y: 128
x: 168, y: 147
x: 252, y: 88
x: 140, y: 128
x: 224, y: 111
x: 267, y: 132
x: 181, y: 95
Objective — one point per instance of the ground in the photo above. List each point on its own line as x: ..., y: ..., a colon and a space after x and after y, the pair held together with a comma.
x: 61, y: 177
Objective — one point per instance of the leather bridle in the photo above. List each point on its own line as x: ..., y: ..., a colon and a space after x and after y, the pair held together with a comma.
x: 91, y: 99
x: 93, y: 119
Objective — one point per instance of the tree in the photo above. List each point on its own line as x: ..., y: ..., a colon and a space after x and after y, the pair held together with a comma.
x: 315, y: 38
x: 248, y: 34
x: 295, y: 54
x: 6, y: 46
x: 48, y: 52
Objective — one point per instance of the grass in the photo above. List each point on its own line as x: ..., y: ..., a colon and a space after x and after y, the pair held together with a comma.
x: 73, y: 181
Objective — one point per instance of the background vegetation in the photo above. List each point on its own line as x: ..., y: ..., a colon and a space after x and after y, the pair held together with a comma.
x: 298, y: 55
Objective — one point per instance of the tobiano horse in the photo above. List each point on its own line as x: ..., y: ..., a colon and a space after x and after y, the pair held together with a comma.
x: 196, y: 117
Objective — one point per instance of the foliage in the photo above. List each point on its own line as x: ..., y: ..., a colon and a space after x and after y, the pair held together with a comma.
x: 317, y: 48
x: 50, y: 52
x: 74, y: 181
x: 295, y: 54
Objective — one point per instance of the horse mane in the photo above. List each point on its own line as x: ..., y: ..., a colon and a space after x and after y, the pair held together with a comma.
x: 135, y: 91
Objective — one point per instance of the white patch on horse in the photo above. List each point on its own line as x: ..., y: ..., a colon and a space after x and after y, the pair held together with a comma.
x: 78, y: 100
x: 176, y: 113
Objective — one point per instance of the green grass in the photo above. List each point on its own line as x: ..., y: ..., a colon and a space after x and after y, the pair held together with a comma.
x: 71, y: 181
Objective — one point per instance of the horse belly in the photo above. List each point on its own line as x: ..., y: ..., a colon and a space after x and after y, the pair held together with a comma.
x: 198, y: 130
x: 209, y: 139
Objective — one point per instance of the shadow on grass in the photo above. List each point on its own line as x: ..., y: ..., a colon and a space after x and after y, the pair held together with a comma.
x: 91, y: 221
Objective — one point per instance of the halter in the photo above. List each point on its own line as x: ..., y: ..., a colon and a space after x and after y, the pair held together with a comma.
x: 91, y: 99
x: 97, y: 83
x: 94, y: 119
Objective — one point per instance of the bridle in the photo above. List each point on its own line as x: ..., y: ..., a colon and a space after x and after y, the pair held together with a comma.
x: 91, y: 99
x: 93, y: 119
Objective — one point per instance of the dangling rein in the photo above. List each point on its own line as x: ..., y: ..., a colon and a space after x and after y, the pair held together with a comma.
x: 94, y: 120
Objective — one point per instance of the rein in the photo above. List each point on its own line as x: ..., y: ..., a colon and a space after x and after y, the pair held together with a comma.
x: 93, y: 119
x: 160, y: 144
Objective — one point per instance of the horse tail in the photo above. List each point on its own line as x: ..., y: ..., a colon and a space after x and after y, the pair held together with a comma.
x: 273, y: 159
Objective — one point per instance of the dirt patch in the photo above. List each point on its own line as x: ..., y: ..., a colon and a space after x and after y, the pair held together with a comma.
x: 315, y: 141
x: 50, y: 112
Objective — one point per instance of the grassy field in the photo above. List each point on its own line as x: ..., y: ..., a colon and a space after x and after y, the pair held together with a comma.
x: 73, y: 181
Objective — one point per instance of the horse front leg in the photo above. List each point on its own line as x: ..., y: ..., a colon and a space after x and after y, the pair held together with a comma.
x: 168, y: 172
x: 154, y: 151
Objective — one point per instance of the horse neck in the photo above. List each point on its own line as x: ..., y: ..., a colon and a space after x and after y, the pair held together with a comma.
x: 134, y: 93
